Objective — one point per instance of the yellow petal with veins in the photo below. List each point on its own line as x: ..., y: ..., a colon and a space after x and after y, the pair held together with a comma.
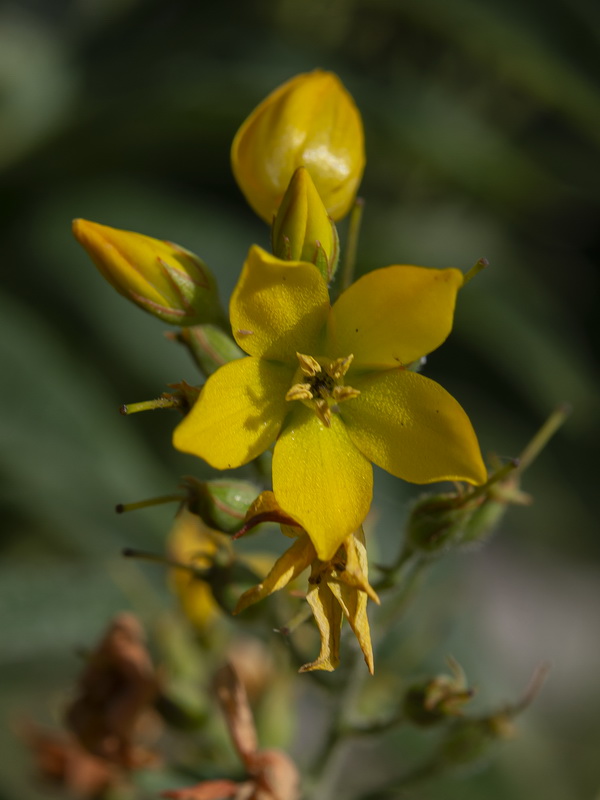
x: 278, y: 307
x: 413, y: 428
x: 321, y: 479
x: 393, y: 316
x: 238, y: 413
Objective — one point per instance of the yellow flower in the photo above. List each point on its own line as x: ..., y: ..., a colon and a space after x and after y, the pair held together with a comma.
x: 302, y: 230
x: 330, y: 385
x: 169, y: 282
x: 338, y: 587
x: 309, y: 121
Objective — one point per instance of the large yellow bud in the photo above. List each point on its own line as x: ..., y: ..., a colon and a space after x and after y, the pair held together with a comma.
x: 311, y: 121
x: 162, y: 278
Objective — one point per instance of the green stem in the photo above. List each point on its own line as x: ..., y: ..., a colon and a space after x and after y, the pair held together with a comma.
x: 352, y: 244
x: 153, y: 501
x: 155, y: 558
x: 389, y: 574
x: 545, y: 433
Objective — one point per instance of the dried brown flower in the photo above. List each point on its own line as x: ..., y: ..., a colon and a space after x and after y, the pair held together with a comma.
x: 272, y: 775
x: 115, y: 693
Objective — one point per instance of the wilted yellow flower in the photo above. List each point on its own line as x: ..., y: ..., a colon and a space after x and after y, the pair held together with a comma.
x: 192, y: 542
x: 164, y: 279
x: 338, y: 587
x: 309, y: 121
x: 302, y: 230
x: 330, y: 386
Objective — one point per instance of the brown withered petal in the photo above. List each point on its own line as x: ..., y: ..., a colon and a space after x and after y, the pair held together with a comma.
x: 62, y: 761
x: 236, y: 709
x: 275, y: 775
x: 207, y: 790
x: 116, y: 689
x: 271, y: 774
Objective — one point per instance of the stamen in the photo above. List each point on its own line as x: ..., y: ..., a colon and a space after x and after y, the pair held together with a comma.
x: 340, y: 367
x: 309, y: 365
x: 299, y: 391
x: 323, y: 412
x: 341, y: 393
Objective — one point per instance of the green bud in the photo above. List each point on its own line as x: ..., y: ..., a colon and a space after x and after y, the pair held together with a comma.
x: 221, y: 504
x: 468, y: 740
x: 433, y: 701
x: 483, y: 521
x: 302, y: 229
x: 436, y: 522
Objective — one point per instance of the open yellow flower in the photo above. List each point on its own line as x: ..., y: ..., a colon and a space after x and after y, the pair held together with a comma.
x: 310, y: 121
x: 330, y: 385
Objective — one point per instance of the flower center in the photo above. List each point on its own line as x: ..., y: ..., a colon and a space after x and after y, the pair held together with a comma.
x: 320, y: 384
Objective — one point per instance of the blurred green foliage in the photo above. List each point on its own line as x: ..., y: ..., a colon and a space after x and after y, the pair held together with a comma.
x: 483, y: 139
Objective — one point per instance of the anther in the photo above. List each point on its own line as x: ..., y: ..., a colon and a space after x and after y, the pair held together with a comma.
x: 309, y: 365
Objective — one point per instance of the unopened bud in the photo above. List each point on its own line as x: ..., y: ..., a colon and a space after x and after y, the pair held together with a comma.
x: 436, y: 522
x: 309, y: 121
x: 468, y: 740
x: 164, y: 279
x: 302, y: 230
x: 429, y: 702
x: 221, y: 504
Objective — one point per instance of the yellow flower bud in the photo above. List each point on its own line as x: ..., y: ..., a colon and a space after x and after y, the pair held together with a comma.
x: 302, y: 230
x: 162, y: 278
x: 310, y: 121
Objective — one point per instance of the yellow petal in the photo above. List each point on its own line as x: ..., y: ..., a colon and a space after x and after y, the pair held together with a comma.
x: 321, y: 479
x: 287, y: 567
x: 353, y: 603
x: 393, y: 316
x: 278, y: 307
x: 309, y: 121
x: 328, y: 616
x: 238, y: 414
x: 413, y: 428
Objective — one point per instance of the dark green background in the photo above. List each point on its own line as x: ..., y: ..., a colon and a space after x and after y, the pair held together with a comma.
x: 482, y: 126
